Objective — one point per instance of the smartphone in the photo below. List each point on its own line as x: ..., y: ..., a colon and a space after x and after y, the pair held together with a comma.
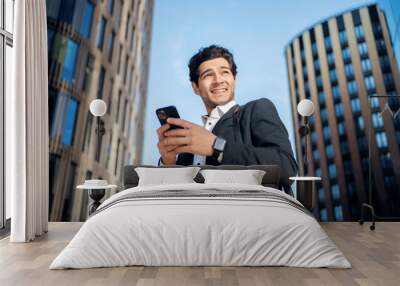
x: 164, y: 113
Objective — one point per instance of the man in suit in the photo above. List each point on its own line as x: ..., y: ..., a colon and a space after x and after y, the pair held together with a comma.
x: 252, y: 134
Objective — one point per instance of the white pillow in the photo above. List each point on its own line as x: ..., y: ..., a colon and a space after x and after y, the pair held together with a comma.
x: 249, y: 177
x: 164, y: 176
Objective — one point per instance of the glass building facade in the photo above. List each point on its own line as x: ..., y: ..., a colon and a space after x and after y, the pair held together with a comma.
x: 342, y: 64
x: 96, y: 50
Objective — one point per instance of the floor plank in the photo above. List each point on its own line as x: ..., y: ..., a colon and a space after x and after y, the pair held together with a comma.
x: 374, y: 255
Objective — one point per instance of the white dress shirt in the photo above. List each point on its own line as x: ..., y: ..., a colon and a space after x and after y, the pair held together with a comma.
x: 209, y: 122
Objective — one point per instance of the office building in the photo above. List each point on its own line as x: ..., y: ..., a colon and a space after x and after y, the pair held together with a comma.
x: 97, y: 49
x: 340, y: 63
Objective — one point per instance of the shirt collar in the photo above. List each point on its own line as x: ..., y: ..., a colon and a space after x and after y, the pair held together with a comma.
x: 219, y: 111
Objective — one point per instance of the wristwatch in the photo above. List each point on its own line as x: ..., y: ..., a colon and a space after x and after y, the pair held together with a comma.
x: 218, y: 148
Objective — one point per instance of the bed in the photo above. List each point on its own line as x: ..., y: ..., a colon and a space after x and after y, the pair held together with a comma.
x: 201, y: 224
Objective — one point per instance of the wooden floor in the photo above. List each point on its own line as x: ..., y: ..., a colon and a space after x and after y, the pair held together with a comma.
x: 374, y: 255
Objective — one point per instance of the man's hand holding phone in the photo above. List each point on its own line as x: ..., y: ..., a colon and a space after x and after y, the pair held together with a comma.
x: 167, y: 152
x: 191, y: 138
x: 180, y: 136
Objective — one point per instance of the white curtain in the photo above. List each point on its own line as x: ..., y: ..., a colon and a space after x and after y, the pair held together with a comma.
x: 27, y: 124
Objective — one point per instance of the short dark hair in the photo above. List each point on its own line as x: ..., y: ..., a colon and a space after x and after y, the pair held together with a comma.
x: 209, y: 53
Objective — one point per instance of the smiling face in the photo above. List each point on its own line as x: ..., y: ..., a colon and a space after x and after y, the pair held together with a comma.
x: 216, y: 83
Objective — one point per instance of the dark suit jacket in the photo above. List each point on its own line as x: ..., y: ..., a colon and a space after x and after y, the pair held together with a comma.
x: 255, y: 135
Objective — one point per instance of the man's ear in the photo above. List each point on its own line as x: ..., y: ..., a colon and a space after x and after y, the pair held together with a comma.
x: 196, y: 89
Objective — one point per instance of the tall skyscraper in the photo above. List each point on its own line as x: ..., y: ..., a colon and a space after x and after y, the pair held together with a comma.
x: 97, y: 49
x: 339, y: 63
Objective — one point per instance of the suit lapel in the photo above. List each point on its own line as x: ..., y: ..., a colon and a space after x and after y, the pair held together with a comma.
x: 225, y: 117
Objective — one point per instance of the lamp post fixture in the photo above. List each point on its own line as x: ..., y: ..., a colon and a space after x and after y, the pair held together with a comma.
x: 97, y: 188
x: 306, y: 109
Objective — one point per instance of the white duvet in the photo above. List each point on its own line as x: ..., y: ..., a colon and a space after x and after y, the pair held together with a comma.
x: 183, y: 231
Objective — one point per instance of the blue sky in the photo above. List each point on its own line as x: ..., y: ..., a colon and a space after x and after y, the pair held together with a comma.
x: 255, y: 33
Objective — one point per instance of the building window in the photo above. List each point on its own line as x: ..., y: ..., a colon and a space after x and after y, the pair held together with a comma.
x: 319, y: 81
x: 366, y: 65
x: 336, y: 91
x: 318, y: 172
x: 385, y: 64
x: 346, y: 55
x: 88, y: 72
x: 381, y: 139
x: 329, y: 151
x: 381, y: 47
x: 124, y: 115
x: 332, y: 75
x: 332, y: 171
x: 355, y: 105
x: 386, y: 161
x: 321, y: 195
x: 323, y: 214
x: 324, y: 115
x: 374, y: 102
x: 70, y: 61
x: 69, y: 124
x: 110, y: 97
x: 369, y: 83
x: 341, y: 128
x: 348, y: 170
x: 362, y: 144
x: 339, y: 109
x: 377, y: 29
x: 109, y: 149
x: 360, y: 123
x: 389, y: 182
x: 120, y: 56
x: 388, y: 81
x: 126, y: 68
x: 338, y: 213
x: 359, y: 31
x: 100, y: 32
x: 110, y: 6
x: 343, y: 38
x: 50, y: 38
x: 303, y: 55
x: 344, y: 147
x: 111, y: 40
x: 87, y: 19
x: 352, y: 87
x: 305, y: 72
x: 331, y: 59
x: 317, y: 65
x: 88, y: 132
x: 84, y: 204
x: 116, y: 157
x: 363, y: 49
x: 349, y: 71
x: 314, y: 137
x: 314, y: 48
x: 321, y: 97
x: 328, y: 43
x: 315, y: 155
x: 69, y: 195
x: 327, y: 133
x: 118, y: 106
x: 335, y: 189
x: 127, y: 26
x: 100, y: 83
x: 307, y: 89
